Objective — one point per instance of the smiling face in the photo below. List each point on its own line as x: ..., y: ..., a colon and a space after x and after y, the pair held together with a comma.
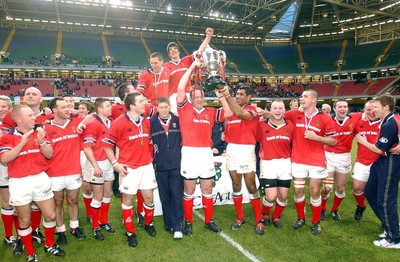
x: 163, y: 109
x: 242, y: 98
x: 33, y: 97
x: 308, y: 100
x: 369, y: 110
x: 197, y: 98
x: 156, y: 64
x: 277, y: 111
x: 173, y: 52
x: 4, y: 108
x: 341, y: 109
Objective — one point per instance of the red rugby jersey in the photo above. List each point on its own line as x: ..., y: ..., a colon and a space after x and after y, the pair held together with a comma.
x: 305, y: 151
x: 177, y: 69
x: 239, y: 131
x: 67, y: 148
x: 93, y: 136
x: 153, y: 85
x: 196, y: 126
x: 132, y: 139
x: 344, y: 135
x: 30, y: 161
x: 371, y: 131
x: 274, y: 140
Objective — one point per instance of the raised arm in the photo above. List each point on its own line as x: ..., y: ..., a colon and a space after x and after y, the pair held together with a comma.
x: 234, y: 107
x: 180, y: 94
x: 206, y: 41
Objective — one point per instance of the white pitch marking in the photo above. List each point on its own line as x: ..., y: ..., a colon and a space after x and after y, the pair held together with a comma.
x: 232, y: 242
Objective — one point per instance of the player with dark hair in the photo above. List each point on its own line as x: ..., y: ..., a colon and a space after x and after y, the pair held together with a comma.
x: 240, y: 134
x: 25, y: 151
x: 382, y: 187
x: 154, y: 82
x: 365, y: 157
x: 131, y: 134
x: 66, y: 141
x: 338, y: 157
x: 103, y: 174
x: 178, y: 66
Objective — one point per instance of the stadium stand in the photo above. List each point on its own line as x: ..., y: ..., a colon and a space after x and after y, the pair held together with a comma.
x: 393, y: 55
x: 32, y: 46
x: 86, y: 48
x: 127, y: 51
x: 321, y: 56
x: 362, y: 56
x: 283, y: 58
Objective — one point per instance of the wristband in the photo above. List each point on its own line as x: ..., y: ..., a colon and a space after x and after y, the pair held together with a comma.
x: 115, y: 164
x: 114, y: 161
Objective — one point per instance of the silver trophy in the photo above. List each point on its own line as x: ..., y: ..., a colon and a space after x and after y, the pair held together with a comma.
x: 214, y: 65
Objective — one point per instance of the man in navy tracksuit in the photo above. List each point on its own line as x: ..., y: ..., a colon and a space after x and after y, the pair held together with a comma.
x: 167, y: 140
x: 381, y: 190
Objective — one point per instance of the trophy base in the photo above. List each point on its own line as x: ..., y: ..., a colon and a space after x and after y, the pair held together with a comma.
x: 214, y: 81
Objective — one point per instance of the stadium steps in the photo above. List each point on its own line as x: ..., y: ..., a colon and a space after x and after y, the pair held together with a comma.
x: 365, y: 91
x: 59, y: 43
x: 7, y: 42
x: 265, y: 63
x: 341, y: 57
x: 300, y: 53
x: 146, y: 47
x: 382, y: 57
x: 391, y: 88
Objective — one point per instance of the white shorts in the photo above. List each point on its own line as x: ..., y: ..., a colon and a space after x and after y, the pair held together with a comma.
x: 304, y: 171
x: 340, y: 163
x: 280, y: 169
x: 241, y: 158
x: 108, y: 172
x: 27, y: 189
x: 87, y: 171
x: 361, y: 172
x: 71, y: 182
x: 140, y: 178
x: 3, y: 176
x: 83, y: 159
x: 197, y: 162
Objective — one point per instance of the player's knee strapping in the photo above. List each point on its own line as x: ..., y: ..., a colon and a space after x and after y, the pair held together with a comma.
x: 299, y: 184
x: 255, y: 195
x: 187, y: 197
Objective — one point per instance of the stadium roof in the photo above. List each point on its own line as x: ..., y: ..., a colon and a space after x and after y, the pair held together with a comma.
x: 255, y: 21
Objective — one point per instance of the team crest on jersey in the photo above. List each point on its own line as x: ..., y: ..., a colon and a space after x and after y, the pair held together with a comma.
x: 351, y: 126
x: 287, y: 131
x: 174, y: 125
x: 267, y: 131
x: 206, y: 116
x: 73, y: 129
x: 318, y: 122
x: 54, y: 133
x: 129, y: 130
